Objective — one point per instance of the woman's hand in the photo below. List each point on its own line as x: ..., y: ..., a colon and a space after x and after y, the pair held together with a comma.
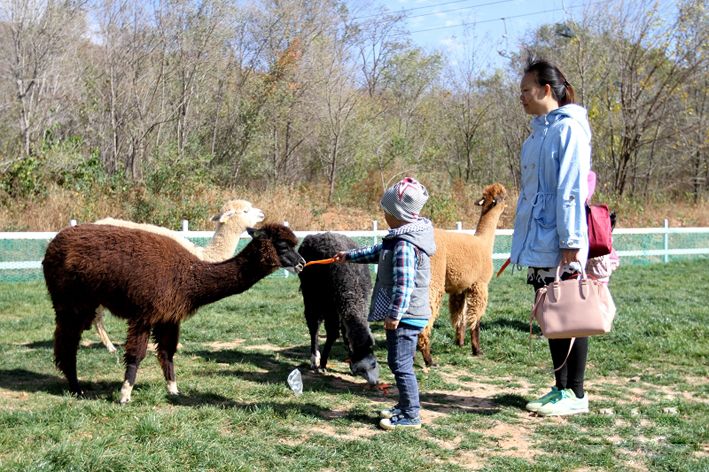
x: 569, y: 255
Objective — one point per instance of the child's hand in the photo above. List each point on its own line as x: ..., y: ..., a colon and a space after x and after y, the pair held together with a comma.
x: 391, y: 324
x: 340, y: 257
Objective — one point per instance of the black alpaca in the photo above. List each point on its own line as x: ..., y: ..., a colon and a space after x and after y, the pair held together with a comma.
x: 338, y: 294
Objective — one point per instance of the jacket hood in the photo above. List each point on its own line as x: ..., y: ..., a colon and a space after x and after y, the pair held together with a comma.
x: 419, y: 233
x: 573, y: 111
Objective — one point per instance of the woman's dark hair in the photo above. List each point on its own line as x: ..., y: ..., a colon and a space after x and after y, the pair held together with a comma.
x: 548, y: 73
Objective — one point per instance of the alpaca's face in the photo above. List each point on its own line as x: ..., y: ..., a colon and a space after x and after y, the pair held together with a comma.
x: 493, y: 195
x: 240, y: 213
x: 368, y: 368
x: 283, y: 241
x: 290, y: 259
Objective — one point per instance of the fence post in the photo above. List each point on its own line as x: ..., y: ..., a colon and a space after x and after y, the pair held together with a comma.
x: 185, y: 225
x: 459, y: 225
x: 667, y: 240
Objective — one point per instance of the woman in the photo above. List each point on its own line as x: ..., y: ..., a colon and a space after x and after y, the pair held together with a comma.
x: 550, y: 223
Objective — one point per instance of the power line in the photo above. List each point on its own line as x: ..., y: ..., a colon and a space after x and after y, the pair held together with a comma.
x: 472, y: 23
x: 438, y: 12
x: 406, y: 10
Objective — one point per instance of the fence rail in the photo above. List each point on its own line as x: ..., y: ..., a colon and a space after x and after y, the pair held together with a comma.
x: 639, y: 244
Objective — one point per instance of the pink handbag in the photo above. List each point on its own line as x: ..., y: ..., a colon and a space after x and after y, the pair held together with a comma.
x: 573, y: 308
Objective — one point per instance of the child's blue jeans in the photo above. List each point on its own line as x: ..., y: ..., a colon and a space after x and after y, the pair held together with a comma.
x: 401, y: 347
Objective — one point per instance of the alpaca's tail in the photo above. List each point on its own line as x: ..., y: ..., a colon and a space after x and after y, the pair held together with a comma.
x: 66, y: 344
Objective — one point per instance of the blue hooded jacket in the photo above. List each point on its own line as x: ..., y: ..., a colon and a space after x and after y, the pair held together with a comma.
x: 556, y: 160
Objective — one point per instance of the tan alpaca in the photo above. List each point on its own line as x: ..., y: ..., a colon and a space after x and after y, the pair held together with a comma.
x: 462, y: 268
x: 233, y: 219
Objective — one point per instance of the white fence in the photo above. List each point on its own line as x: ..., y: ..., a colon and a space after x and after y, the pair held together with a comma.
x: 664, y: 249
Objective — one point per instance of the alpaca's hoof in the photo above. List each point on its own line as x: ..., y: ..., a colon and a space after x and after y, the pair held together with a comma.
x: 315, y: 361
x: 126, y: 391
x: 111, y: 349
x: 172, y: 388
x: 321, y: 370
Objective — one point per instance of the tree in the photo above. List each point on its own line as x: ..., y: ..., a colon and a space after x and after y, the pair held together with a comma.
x: 40, y: 36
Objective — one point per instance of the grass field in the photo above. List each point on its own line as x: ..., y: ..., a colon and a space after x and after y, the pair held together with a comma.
x: 647, y: 384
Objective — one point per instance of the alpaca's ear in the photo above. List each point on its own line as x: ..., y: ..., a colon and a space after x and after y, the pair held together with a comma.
x: 225, y: 216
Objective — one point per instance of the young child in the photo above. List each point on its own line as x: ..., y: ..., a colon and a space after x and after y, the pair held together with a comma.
x: 400, y: 295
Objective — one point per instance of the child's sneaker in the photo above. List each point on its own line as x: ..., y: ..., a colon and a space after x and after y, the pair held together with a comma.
x: 389, y: 412
x: 565, y: 404
x: 535, y: 405
x: 400, y: 422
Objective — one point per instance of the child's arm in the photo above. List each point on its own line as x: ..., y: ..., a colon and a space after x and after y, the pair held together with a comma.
x: 364, y: 255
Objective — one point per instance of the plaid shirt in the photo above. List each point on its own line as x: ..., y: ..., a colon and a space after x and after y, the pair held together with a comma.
x: 404, y: 264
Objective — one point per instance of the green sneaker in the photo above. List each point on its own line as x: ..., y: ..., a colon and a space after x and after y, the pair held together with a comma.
x: 535, y: 405
x: 564, y: 405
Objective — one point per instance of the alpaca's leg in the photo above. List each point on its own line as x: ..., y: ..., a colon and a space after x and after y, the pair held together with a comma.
x: 332, y: 332
x: 459, y: 313
x: 424, y: 343
x: 313, y: 328
x: 67, y: 335
x: 101, y: 330
x: 424, y: 340
x: 166, y: 336
x: 477, y: 304
x: 136, y: 347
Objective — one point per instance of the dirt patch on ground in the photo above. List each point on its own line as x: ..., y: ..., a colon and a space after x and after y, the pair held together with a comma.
x: 636, y: 390
x: 225, y: 345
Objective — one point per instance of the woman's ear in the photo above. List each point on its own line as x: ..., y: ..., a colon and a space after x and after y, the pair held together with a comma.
x: 547, y: 91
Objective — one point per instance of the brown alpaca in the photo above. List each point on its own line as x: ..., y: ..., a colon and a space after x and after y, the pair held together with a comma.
x: 462, y: 268
x: 151, y: 281
x: 233, y: 219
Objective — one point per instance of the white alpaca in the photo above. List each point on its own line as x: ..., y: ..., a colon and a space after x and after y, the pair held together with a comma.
x: 233, y: 219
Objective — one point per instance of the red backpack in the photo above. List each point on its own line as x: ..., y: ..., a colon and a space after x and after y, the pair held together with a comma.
x: 600, y: 240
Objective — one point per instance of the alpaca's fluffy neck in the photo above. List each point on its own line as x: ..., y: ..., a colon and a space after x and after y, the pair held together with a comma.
x: 223, y: 243
x: 488, y: 223
x: 214, y: 281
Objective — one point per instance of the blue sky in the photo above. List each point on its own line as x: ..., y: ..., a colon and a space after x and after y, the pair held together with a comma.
x: 494, y: 26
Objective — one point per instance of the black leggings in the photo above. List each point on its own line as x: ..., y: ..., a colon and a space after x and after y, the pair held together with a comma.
x: 572, y: 374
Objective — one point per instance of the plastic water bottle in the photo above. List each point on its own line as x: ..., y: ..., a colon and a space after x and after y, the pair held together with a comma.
x: 295, y: 381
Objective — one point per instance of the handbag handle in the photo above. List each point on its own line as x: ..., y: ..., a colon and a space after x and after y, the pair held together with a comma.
x: 583, y: 282
x: 531, y: 320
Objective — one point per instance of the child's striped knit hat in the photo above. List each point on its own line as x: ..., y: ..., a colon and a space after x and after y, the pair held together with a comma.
x: 405, y: 199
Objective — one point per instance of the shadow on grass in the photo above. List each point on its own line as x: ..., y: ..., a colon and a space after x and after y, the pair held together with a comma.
x: 21, y: 380
x: 515, y: 325
x: 274, y: 367
x: 193, y: 398
x: 486, y: 406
